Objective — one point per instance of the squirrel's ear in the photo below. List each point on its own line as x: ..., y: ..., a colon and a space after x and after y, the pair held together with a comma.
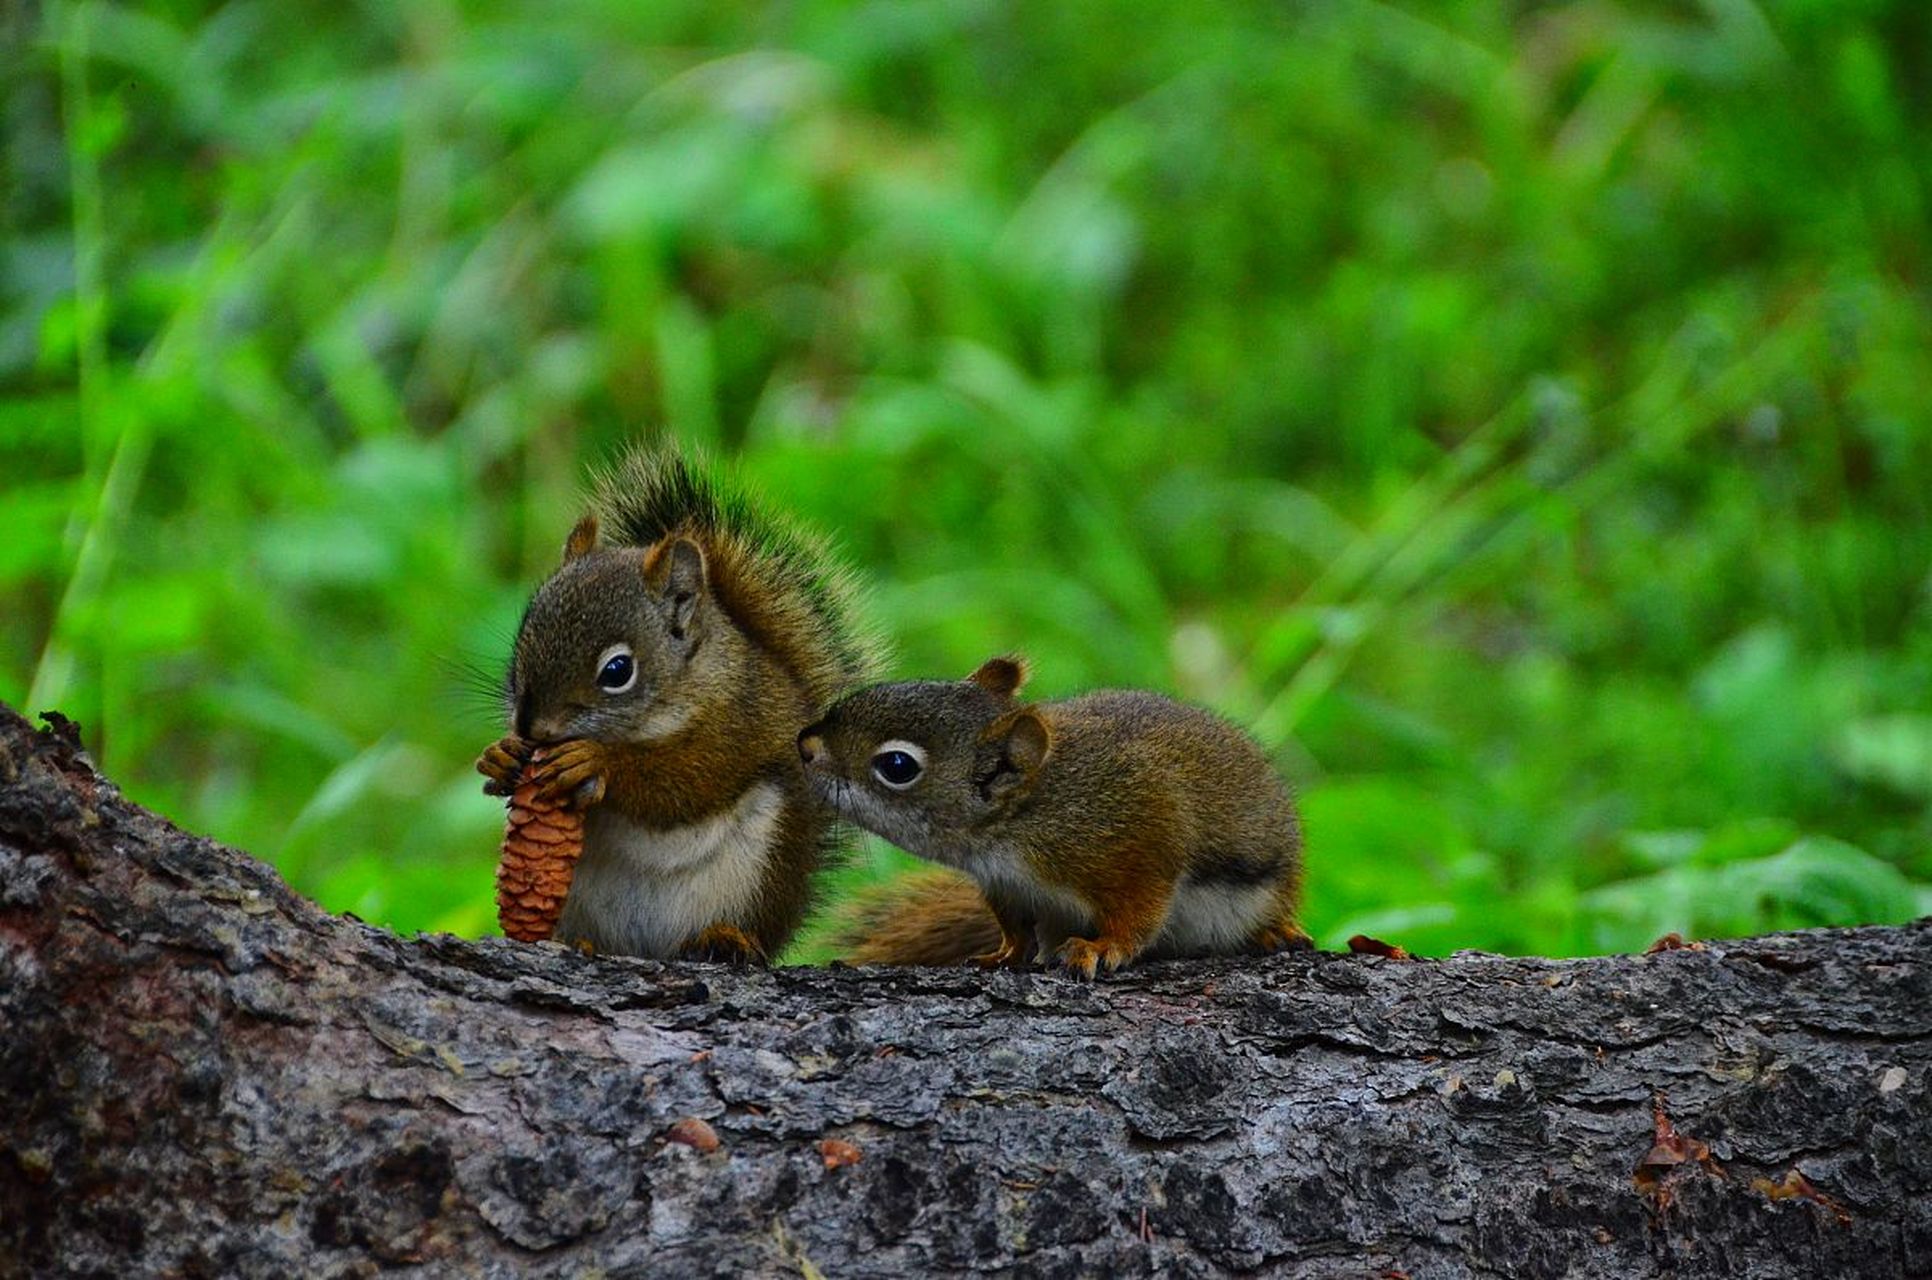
x: 674, y: 570
x: 583, y: 538
x: 1001, y: 677
x: 1024, y: 743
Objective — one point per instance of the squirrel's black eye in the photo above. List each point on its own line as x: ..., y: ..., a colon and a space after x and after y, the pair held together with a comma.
x: 898, y: 764
x: 618, y: 671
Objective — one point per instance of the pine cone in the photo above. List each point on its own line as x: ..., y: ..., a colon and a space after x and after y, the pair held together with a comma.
x: 541, y: 843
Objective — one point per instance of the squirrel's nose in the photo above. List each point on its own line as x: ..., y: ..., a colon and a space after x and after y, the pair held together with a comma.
x: 811, y: 747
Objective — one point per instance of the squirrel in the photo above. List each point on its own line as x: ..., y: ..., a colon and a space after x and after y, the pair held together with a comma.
x: 664, y: 673
x: 1099, y: 829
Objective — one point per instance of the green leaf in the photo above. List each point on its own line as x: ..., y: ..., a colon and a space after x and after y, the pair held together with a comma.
x: 1889, y: 751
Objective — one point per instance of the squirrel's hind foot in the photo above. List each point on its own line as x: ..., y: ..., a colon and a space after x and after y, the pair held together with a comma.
x: 727, y: 943
x: 1083, y: 959
x: 1284, y: 935
x: 1004, y: 956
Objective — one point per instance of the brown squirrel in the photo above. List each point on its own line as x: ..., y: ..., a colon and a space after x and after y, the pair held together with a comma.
x: 665, y: 674
x: 1100, y: 829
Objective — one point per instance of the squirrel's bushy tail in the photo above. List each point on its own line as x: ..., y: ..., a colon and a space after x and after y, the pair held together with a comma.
x: 782, y: 583
x: 927, y: 917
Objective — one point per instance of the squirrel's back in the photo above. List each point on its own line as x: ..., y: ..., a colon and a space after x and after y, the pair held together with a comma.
x: 1133, y: 756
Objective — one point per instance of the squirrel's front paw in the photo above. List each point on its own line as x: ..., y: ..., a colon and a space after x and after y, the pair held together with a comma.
x: 503, y: 764
x: 569, y: 773
x: 1083, y: 959
x: 727, y: 943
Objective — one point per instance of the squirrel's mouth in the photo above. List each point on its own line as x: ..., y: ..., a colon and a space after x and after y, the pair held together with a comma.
x: 831, y: 789
x: 845, y: 799
x: 852, y: 803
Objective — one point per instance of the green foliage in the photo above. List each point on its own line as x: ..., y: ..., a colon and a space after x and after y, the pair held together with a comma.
x: 1517, y: 414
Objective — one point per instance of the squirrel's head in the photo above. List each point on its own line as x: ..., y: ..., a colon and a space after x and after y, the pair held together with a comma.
x: 606, y: 647
x: 920, y: 761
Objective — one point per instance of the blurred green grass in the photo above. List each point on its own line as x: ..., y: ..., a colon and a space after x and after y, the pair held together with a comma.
x: 1517, y: 413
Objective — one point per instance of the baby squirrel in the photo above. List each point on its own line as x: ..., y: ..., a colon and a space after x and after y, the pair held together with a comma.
x: 1100, y: 829
x: 665, y: 672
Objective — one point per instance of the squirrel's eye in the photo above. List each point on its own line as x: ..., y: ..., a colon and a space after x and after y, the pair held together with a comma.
x: 898, y: 764
x: 616, y: 669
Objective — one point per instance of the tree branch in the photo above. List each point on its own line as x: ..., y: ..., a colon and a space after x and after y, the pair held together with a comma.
x: 205, y: 1074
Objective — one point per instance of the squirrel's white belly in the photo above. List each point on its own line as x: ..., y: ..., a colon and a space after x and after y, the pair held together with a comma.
x: 1202, y: 919
x: 1213, y: 919
x: 645, y: 892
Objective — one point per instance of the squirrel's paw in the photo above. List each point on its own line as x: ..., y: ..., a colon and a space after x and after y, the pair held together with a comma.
x: 1083, y: 959
x: 1008, y: 955
x: 1284, y: 935
x: 569, y: 773
x: 724, y: 942
x: 503, y: 764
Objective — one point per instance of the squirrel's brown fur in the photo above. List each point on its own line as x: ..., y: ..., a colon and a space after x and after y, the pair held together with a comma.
x: 666, y: 672
x: 1152, y: 826
x: 925, y: 917
x: 779, y: 581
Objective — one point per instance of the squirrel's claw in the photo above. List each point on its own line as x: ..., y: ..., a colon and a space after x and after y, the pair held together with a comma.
x: 1004, y: 956
x: 570, y: 773
x: 1084, y: 959
x: 1283, y: 936
x: 502, y: 764
x: 724, y: 942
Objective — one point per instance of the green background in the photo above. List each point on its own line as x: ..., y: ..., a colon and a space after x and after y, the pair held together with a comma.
x: 1518, y: 414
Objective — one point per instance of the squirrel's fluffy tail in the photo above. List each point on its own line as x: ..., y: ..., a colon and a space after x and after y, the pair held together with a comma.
x: 928, y: 917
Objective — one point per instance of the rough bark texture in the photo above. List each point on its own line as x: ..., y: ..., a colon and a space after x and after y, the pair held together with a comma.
x: 205, y: 1074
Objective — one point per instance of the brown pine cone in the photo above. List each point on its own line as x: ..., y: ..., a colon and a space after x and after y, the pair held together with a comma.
x: 541, y: 843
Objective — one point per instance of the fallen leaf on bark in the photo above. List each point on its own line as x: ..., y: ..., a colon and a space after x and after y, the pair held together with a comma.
x: 1363, y: 945
x: 1795, y: 1186
x: 694, y: 1133
x: 1671, y: 1158
x: 837, y: 1154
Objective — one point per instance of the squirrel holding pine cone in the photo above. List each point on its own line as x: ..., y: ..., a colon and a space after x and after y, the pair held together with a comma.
x: 656, y: 688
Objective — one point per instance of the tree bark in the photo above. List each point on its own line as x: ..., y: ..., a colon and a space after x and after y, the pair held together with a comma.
x: 207, y: 1075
